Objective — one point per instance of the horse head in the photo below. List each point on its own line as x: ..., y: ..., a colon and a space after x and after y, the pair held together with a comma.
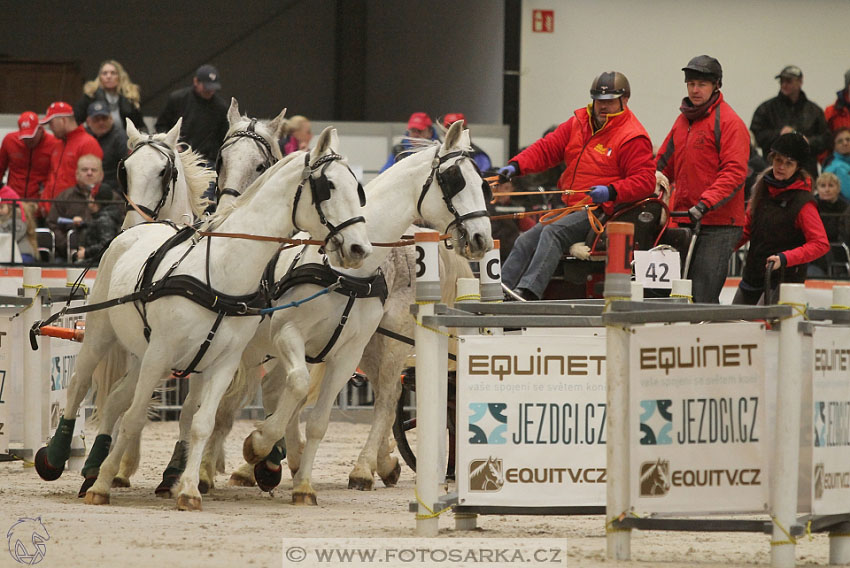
x: 456, y: 194
x: 328, y: 202
x: 249, y: 149
x: 159, y: 181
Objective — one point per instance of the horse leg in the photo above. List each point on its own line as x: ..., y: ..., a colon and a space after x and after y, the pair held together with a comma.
x: 177, y: 463
x: 155, y: 367
x: 337, y: 372
x: 50, y: 460
x: 223, y: 368
x: 117, y: 403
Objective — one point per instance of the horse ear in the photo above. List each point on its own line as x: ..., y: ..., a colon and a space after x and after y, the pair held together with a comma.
x: 324, y: 141
x: 174, y: 133
x: 465, y: 141
x: 132, y: 131
x: 277, y: 124
x: 453, y: 135
x: 233, y: 112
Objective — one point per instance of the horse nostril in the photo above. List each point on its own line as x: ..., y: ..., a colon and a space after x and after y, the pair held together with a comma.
x: 357, y: 251
x: 480, y: 241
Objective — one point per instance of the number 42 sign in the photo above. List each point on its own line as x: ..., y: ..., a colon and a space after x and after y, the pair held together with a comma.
x: 657, y: 268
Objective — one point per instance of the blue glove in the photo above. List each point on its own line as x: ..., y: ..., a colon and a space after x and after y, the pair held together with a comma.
x: 507, y: 172
x: 602, y: 193
x: 697, y: 211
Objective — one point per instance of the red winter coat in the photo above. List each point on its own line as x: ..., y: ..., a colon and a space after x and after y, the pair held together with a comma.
x: 63, y: 162
x: 838, y: 113
x: 707, y: 161
x: 618, y: 154
x: 28, y: 169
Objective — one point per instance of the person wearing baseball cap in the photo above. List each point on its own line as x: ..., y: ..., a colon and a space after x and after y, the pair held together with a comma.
x: 26, y: 155
x: 113, y: 140
x: 791, y: 111
x: 419, y: 127
x: 479, y: 156
x: 204, y: 113
x: 783, y: 225
x: 838, y: 113
x: 74, y: 142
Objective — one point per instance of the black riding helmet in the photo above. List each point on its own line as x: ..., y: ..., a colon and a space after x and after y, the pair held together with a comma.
x: 704, y: 67
x: 610, y: 85
x: 792, y: 145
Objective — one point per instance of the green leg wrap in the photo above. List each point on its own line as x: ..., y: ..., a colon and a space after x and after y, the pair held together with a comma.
x: 178, y: 461
x: 278, y: 452
x: 59, y: 448
x: 98, y: 453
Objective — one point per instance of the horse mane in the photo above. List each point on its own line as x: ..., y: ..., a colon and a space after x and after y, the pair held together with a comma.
x: 198, y: 179
x: 223, y: 212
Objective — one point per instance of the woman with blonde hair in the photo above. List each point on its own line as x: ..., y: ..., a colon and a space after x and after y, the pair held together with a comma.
x: 296, y: 135
x: 113, y: 87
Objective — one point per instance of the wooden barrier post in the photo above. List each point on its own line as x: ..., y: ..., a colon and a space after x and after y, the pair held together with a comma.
x: 34, y: 381
x: 786, y: 439
x: 468, y: 291
x: 618, y: 287
x: 681, y: 289
x: 490, y: 274
x: 428, y: 403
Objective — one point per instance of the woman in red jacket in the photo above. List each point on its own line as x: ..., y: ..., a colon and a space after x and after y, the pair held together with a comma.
x: 705, y: 158
x: 782, y: 224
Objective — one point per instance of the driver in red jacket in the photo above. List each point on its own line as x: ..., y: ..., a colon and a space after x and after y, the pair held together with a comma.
x: 605, y: 149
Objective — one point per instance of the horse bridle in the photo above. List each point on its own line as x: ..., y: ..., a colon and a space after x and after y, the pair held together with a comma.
x: 452, y: 182
x: 168, y: 174
x: 269, y: 159
x: 321, y: 190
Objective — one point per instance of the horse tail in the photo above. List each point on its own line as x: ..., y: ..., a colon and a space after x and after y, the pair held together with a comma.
x: 317, y: 375
x: 245, y: 378
x: 106, y: 375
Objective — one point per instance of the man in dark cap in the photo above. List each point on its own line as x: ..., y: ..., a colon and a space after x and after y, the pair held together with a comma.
x: 112, y: 140
x: 204, y: 113
x: 705, y: 155
x: 791, y: 111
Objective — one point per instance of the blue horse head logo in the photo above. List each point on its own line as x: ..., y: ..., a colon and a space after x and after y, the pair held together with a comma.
x: 27, y: 540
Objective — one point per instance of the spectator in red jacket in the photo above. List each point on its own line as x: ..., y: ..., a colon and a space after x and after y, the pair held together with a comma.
x: 74, y: 142
x: 705, y: 158
x: 26, y: 154
x: 838, y: 113
x: 783, y: 224
x: 607, y: 151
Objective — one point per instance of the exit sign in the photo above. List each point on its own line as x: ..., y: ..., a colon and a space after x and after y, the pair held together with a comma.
x: 543, y: 21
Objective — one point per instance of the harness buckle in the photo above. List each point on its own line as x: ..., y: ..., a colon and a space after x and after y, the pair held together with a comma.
x: 243, y: 307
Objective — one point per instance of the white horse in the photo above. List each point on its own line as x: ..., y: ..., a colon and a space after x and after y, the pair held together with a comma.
x: 186, y: 335
x: 154, y: 171
x: 439, y: 184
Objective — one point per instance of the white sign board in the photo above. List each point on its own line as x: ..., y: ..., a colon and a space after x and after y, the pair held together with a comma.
x: 63, y: 356
x: 831, y: 420
x: 5, y: 383
x: 657, y: 268
x: 531, y: 421
x: 697, y: 419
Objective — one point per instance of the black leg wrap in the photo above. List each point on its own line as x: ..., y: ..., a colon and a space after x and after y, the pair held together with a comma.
x: 268, y: 478
x: 173, y: 471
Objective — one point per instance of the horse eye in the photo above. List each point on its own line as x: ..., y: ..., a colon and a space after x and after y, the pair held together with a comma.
x: 261, y: 168
x: 162, y: 173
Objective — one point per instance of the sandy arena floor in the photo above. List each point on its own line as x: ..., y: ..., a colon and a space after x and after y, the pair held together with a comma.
x: 244, y: 527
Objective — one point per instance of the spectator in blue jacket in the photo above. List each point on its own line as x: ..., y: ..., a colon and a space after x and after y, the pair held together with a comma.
x: 419, y: 126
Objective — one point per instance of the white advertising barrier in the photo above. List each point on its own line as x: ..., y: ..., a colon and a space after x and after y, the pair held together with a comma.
x: 830, y: 463
x: 63, y: 356
x: 657, y: 268
x: 531, y: 421
x: 6, y: 373
x: 698, y: 434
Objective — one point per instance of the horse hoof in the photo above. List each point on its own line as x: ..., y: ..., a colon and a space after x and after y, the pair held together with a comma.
x: 120, y: 482
x: 46, y: 471
x: 304, y: 499
x: 163, y: 490
x: 203, y: 487
x: 392, y: 477
x: 360, y: 484
x: 187, y: 503
x: 87, y: 483
x: 93, y: 498
x: 239, y: 480
x: 267, y: 478
x: 248, y: 451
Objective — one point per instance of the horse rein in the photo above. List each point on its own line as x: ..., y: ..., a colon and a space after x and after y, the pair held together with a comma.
x: 169, y: 178
x: 321, y: 191
x: 269, y: 159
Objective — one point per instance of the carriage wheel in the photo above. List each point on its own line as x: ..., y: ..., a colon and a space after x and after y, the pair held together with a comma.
x: 405, y: 422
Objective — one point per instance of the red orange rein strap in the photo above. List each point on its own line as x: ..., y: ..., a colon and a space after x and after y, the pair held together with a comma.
x: 405, y: 241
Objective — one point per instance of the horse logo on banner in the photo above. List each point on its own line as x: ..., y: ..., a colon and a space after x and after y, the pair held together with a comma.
x: 486, y: 475
x: 655, y: 478
x: 27, y: 540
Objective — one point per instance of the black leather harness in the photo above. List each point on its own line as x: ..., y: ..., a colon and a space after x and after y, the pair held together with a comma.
x: 324, y: 276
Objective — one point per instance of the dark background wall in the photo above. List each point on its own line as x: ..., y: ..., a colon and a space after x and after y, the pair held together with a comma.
x: 375, y: 60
